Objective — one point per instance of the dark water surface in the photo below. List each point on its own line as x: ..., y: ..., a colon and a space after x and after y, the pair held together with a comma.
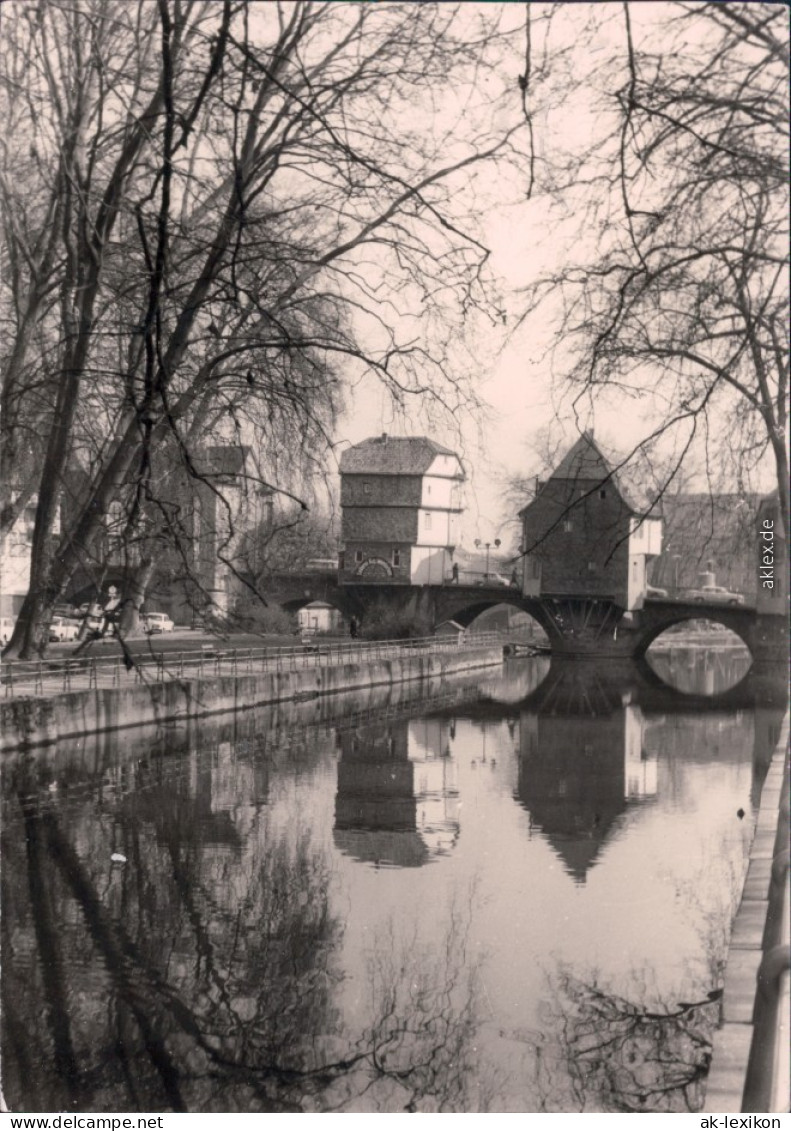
x: 507, y: 895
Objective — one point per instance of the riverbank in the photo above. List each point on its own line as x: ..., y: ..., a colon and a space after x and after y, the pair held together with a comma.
x: 749, y: 1068
x: 27, y: 721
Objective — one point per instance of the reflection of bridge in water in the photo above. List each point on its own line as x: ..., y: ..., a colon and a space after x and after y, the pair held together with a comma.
x: 588, y: 740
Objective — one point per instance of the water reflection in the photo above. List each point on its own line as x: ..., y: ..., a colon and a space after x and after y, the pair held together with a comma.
x: 582, y: 760
x: 269, y: 940
x: 622, y: 1055
x: 398, y: 800
x: 707, y: 671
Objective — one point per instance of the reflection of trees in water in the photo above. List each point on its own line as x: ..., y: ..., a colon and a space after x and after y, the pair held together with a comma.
x: 157, y: 997
x: 201, y: 974
x: 418, y: 1051
x: 644, y: 1049
x: 648, y: 1051
x: 620, y: 1056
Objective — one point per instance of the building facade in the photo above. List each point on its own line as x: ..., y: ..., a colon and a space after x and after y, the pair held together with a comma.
x: 581, y: 537
x: 401, y: 505
x: 318, y: 616
x: 15, y: 552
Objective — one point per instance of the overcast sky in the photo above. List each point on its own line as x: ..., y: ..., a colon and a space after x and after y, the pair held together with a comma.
x: 526, y: 238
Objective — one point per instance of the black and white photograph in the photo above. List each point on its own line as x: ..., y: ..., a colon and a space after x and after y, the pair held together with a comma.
x: 394, y: 505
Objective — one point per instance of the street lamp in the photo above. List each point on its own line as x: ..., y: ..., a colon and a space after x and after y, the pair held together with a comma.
x: 676, y: 560
x: 478, y: 545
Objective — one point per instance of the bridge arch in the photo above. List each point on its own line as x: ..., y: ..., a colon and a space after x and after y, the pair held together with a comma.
x: 465, y: 606
x: 293, y: 591
x: 469, y: 613
x: 337, y: 599
x: 654, y: 622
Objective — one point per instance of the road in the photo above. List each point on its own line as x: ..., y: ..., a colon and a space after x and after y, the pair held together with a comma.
x: 181, y: 640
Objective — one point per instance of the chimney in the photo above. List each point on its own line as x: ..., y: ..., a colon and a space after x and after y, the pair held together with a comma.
x: 384, y: 437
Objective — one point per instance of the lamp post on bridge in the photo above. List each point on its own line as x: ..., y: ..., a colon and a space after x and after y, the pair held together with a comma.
x: 478, y: 544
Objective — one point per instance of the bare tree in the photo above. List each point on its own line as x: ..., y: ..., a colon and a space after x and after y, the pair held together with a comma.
x: 226, y: 214
x: 677, y: 293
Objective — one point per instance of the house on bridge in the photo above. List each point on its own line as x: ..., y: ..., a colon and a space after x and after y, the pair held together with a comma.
x: 400, y: 503
x: 583, y: 537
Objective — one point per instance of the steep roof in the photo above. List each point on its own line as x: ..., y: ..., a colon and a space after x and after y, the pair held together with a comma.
x: 584, y: 461
x: 392, y: 455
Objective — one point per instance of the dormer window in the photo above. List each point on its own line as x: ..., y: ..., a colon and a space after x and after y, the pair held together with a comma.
x: 366, y: 488
x: 567, y: 525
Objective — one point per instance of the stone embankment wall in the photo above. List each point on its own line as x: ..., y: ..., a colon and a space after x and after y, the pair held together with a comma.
x: 36, y: 721
x: 749, y: 1068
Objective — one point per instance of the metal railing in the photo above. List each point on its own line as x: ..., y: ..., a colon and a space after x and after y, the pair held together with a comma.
x: 48, y: 677
x: 768, y: 1084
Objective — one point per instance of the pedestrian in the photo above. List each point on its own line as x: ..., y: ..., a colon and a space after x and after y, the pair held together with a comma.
x: 455, y: 573
x: 353, y: 627
x: 110, y: 612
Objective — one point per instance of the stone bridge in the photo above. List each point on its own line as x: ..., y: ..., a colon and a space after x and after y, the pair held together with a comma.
x: 575, y: 626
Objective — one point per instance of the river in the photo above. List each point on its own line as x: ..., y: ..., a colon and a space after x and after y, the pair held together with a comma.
x: 508, y: 895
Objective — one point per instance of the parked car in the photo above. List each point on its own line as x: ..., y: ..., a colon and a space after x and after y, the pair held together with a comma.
x: 157, y: 622
x: 714, y: 594
x: 655, y: 591
x: 492, y: 579
x: 63, y: 628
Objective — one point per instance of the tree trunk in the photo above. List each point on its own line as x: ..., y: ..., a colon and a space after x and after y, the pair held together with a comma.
x: 134, y: 597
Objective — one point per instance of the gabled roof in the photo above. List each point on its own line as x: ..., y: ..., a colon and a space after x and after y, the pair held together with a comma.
x: 392, y: 455
x: 584, y: 461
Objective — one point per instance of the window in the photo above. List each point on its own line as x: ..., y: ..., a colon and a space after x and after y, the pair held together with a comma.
x: 602, y: 494
x: 591, y: 567
x: 567, y: 525
x: 428, y: 522
x: 366, y: 488
x: 396, y: 557
x: 358, y: 556
x: 428, y: 488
